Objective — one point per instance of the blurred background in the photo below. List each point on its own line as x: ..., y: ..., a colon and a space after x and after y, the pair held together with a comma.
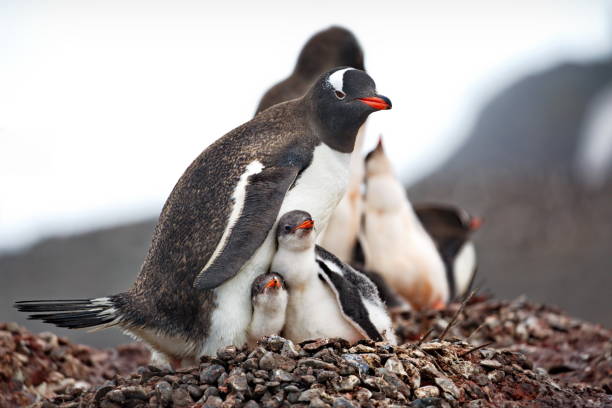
x: 502, y: 108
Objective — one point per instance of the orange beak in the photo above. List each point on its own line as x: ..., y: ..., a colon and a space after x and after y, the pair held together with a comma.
x: 475, y: 223
x: 274, y: 283
x: 308, y: 224
x: 376, y: 103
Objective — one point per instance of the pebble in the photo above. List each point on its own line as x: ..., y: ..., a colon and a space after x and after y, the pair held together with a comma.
x: 271, y: 360
x: 211, y: 374
x: 427, y: 391
x: 181, y: 398
x: 164, y: 392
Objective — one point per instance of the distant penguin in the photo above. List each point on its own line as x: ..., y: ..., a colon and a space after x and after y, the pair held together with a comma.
x: 333, y: 47
x: 451, y: 229
x: 394, y: 242
x: 327, y: 49
x: 327, y: 298
x: 216, y: 231
x: 269, y: 299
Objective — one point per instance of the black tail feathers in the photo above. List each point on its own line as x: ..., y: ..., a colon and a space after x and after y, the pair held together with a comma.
x: 96, y: 313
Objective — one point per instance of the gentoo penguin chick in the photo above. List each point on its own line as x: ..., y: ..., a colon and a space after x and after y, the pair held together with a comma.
x: 269, y: 299
x: 327, y: 49
x: 216, y: 232
x: 394, y: 242
x: 333, y: 47
x: 451, y: 229
x: 327, y: 298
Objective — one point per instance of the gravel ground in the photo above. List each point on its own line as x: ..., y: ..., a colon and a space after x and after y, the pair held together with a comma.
x: 539, y: 357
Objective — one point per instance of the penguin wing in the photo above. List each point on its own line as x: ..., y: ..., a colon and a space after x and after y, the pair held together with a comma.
x: 256, y: 210
x: 351, y: 289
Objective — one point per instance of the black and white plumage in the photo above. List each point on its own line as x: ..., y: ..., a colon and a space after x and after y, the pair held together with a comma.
x: 451, y: 229
x: 327, y: 298
x: 269, y: 299
x: 326, y: 49
x: 216, y: 231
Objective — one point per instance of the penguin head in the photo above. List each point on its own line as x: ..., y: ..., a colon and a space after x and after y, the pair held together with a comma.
x: 377, y: 163
x: 266, y: 285
x: 335, y: 46
x: 341, y: 101
x: 448, y: 220
x: 295, y: 231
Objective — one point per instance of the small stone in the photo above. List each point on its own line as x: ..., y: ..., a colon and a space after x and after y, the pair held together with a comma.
x: 308, y: 395
x: 227, y: 353
x: 290, y: 350
x: 315, y: 363
x: 308, y: 379
x: 181, y: 398
x: 449, y: 387
x: 209, y: 392
x: 270, y: 361
x: 318, y: 403
x: 116, y: 396
x: 211, y: 374
x: 357, y: 361
x: 102, y: 391
x: 490, y: 363
x: 164, y: 392
x: 342, y: 402
x: 496, y: 376
x: 396, y: 367
x: 430, y: 391
x: 281, y: 376
x: 238, y: 383
x: 325, y: 375
x: 348, y: 383
x: 274, y: 343
x: 362, y: 348
x: 251, y: 404
x: 108, y: 404
x: 195, y: 392
x: 213, y: 402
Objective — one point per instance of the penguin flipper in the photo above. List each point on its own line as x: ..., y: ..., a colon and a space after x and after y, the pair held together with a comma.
x: 264, y: 194
x: 350, y: 299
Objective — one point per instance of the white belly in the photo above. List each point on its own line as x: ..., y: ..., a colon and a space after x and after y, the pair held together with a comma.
x: 313, y: 312
x: 318, y: 191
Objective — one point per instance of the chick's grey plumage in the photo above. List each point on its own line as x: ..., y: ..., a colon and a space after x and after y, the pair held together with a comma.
x: 197, y: 245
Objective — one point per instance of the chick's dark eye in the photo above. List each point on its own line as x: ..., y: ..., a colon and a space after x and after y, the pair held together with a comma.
x: 287, y: 228
x: 340, y: 95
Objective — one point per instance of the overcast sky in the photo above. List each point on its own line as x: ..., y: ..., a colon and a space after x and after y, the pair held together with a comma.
x: 104, y: 104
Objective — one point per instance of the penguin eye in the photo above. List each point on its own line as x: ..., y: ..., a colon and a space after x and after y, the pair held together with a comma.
x: 287, y: 228
x: 340, y: 95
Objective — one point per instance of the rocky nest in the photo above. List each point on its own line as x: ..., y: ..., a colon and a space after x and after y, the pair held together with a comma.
x: 506, y: 354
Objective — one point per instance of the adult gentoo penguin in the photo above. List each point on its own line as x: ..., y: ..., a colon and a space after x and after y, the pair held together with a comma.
x: 451, y: 229
x: 269, y: 299
x: 394, y: 242
x: 326, y: 49
x: 327, y: 298
x: 216, y: 231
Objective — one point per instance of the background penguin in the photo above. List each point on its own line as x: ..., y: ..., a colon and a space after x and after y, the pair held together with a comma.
x: 333, y: 47
x: 327, y: 298
x: 219, y: 221
x: 326, y: 49
x: 451, y: 229
x: 394, y: 242
x: 269, y: 299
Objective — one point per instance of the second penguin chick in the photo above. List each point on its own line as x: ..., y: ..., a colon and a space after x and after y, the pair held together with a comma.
x: 269, y: 298
x: 327, y: 298
x: 394, y: 242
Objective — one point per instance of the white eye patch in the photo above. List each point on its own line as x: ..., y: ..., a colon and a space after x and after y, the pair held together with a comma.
x: 336, y: 80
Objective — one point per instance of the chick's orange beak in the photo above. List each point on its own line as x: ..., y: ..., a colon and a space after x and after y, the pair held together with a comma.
x: 376, y: 102
x: 274, y: 283
x: 308, y: 224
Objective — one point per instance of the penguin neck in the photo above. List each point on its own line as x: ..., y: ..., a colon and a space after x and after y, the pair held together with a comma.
x: 296, y: 266
x: 337, y: 134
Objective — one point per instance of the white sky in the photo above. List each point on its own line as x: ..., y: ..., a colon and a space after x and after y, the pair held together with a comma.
x: 104, y: 104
